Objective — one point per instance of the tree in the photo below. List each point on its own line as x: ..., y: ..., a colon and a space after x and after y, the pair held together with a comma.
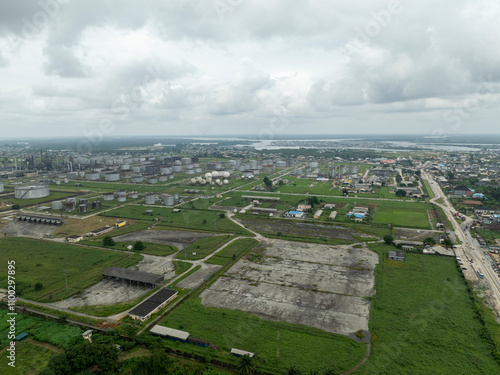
x: 293, y: 371
x: 139, y: 245
x: 447, y: 243
x: 399, y: 178
x: 246, y: 365
x: 429, y: 241
x: 16, y: 207
x: 281, y: 183
x: 268, y: 183
x: 400, y: 193
x: 108, y: 241
x: 388, y: 239
x: 38, y: 287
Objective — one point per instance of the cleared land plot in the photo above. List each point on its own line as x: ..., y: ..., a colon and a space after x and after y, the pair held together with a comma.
x: 25, y: 229
x: 196, y: 279
x: 46, y: 261
x: 177, y: 238
x: 83, y: 226
x: 415, y: 234
x: 423, y: 321
x: 108, y: 292
x: 298, y: 228
x: 315, y: 285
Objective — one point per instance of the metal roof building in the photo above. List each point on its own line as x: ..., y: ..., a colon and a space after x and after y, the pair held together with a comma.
x: 153, y: 304
x: 169, y: 332
x: 133, y: 276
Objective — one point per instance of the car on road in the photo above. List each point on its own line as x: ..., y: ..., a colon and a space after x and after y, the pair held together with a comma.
x: 464, y: 268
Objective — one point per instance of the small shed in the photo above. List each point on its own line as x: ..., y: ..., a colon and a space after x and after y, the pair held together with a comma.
x: 21, y: 336
x: 396, y: 255
x: 239, y: 353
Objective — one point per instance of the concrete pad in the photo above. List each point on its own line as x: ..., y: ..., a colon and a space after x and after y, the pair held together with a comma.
x: 196, y: 279
x: 303, y: 283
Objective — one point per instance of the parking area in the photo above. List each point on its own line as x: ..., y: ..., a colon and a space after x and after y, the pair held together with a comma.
x: 303, y: 283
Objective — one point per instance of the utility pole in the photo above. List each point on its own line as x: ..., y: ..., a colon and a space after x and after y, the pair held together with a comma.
x: 66, y: 278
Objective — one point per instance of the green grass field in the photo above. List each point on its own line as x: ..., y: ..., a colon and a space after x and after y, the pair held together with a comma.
x: 232, y: 251
x: 45, y: 262
x: 303, y: 347
x: 59, y: 334
x: 181, y: 267
x: 150, y: 248
x: 422, y: 320
x: 203, y: 247
x: 191, y: 219
x: 430, y: 193
x: 30, y: 359
x: 402, y: 217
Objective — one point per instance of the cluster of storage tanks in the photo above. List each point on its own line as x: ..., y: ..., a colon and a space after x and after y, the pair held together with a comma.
x: 212, y: 178
x: 165, y: 199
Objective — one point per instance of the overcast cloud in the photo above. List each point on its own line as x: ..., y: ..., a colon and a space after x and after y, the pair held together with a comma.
x: 208, y: 67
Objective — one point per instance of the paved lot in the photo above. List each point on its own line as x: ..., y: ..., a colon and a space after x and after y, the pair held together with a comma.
x: 314, y: 285
x: 178, y: 238
x: 29, y: 229
x: 196, y: 279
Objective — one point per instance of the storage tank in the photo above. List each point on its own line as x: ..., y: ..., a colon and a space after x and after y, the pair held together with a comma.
x: 92, y: 176
x: 168, y: 200
x: 225, y: 182
x: 1, y: 187
x: 108, y: 196
x: 96, y: 204
x: 57, y: 205
x: 150, y: 198
x: 177, y: 168
x: 208, y: 174
x: 82, y: 208
x: 125, y: 167
x: 122, y: 198
x: 69, y: 206
x: 198, y: 179
x: 134, y: 195
x: 136, y: 168
x: 196, y: 165
x: 72, y: 175
x: 232, y: 163
x: 215, y: 174
x: 165, y: 169
x: 121, y: 193
x: 58, y: 182
x: 112, y: 176
x: 193, y: 181
x: 71, y: 200
x: 171, y: 176
x: 198, y: 170
x: 313, y: 164
x: 186, y: 161
x: 153, y: 180
x: 177, y: 162
x: 190, y: 171
x: 163, y: 178
x: 281, y: 164
x: 226, y: 174
x: 137, y: 178
x: 189, y: 166
x: 31, y: 192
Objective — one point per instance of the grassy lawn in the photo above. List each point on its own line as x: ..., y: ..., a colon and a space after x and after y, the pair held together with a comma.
x: 430, y: 193
x: 422, y: 320
x: 402, y: 217
x: 203, y: 247
x: 150, y: 248
x: 45, y: 262
x: 232, y: 251
x: 191, y: 219
x: 181, y: 267
x: 55, y: 333
x: 303, y: 347
x: 30, y: 359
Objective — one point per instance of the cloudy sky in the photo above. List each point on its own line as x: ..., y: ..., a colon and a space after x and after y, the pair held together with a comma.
x: 263, y: 68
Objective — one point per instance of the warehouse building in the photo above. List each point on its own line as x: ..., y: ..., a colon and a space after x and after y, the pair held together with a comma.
x: 139, y: 278
x: 169, y: 333
x: 153, y: 304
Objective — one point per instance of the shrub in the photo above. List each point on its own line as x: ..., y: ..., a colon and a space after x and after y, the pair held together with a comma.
x: 108, y: 241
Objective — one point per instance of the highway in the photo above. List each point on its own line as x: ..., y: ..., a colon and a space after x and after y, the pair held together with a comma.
x: 473, y: 256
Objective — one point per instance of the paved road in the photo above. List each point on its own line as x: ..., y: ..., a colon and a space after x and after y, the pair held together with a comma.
x: 469, y: 252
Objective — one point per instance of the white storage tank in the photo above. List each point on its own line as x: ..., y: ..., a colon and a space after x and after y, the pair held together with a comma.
x: 168, y: 200
x: 225, y: 182
x: 281, y: 164
x: 231, y: 163
x: 57, y: 205
x: 153, y: 180
x: 125, y: 167
x: 163, y: 178
x: 177, y: 168
x: 92, y: 176
x: 134, y: 195
x: 150, y: 198
x: 108, y: 196
x: 122, y: 198
x: 186, y: 161
x: 136, y: 168
x: 193, y: 181
x: 137, y: 178
x: 190, y: 171
x: 1, y: 187
x: 31, y: 192
x: 313, y: 164
x: 165, y: 169
x: 112, y: 176
x: 198, y: 170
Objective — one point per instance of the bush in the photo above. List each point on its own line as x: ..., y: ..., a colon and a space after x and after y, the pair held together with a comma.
x: 388, y: 239
x: 139, y: 245
x: 16, y: 207
x: 108, y: 241
x: 38, y: 287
